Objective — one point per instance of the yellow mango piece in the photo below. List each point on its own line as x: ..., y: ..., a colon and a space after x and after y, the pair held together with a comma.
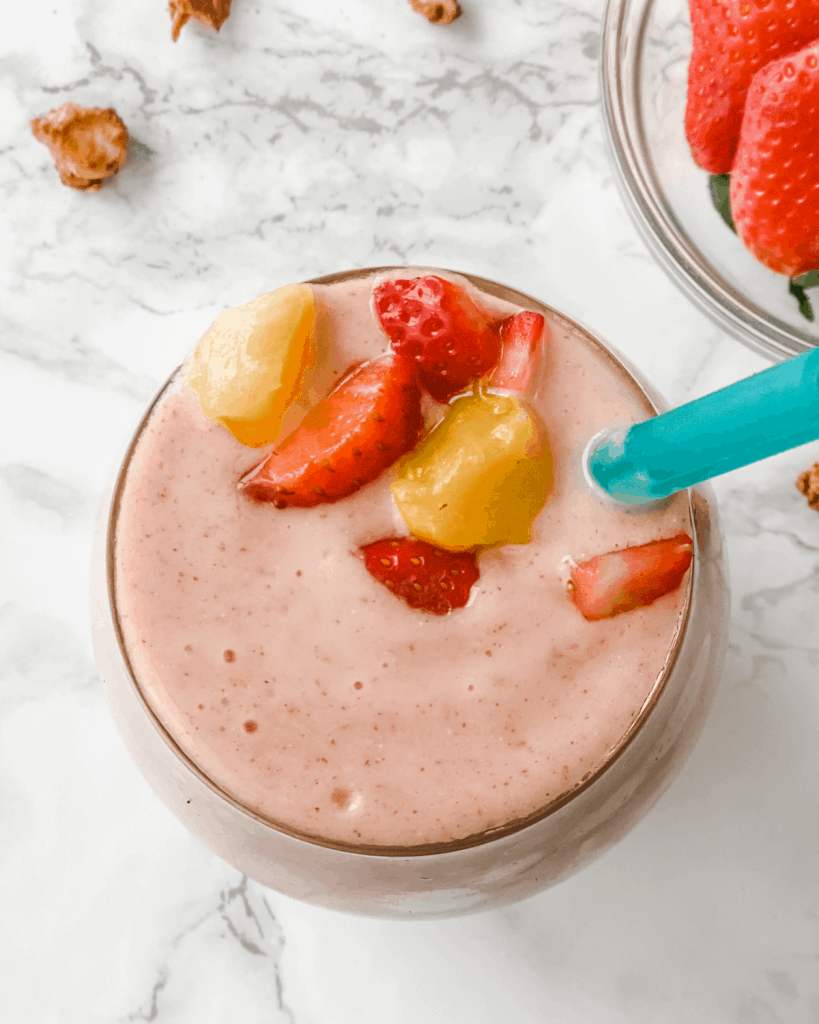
x: 248, y: 367
x: 479, y: 478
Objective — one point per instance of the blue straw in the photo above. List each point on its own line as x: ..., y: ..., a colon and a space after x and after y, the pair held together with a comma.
x: 759, y: 416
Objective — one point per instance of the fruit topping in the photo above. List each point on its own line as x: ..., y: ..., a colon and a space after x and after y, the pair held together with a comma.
x: 248, y: 367
x: 424, y: 576
x: 88, y: 144
x: 479, y: 478
x: 732, y: 41
x: 808, y: 484
x: 370, y: 418
x: 437, y: 325
x: 522, y: 336
x: 620, y: 581
x: 485, y: 471
x: 211, y: 13
x: 444, y: 12
x: 775, y: 176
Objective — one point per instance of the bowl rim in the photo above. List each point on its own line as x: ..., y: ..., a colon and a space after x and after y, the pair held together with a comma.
x: 621, y: 61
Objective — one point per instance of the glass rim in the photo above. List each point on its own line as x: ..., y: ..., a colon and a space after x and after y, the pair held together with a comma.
x: 652, y: 406
x: 636, y: 178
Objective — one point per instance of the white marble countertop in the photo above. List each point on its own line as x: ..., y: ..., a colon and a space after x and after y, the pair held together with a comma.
x: 311, y: 136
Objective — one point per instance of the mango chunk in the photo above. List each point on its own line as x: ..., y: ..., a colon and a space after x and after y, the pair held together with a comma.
x: 479, y: 478
x: 248, y: 367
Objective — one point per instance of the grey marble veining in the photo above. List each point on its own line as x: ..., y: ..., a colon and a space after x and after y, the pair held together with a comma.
x: 309, y: 137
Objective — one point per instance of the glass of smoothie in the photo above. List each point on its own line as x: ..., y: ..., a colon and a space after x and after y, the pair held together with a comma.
x: 341, y: 746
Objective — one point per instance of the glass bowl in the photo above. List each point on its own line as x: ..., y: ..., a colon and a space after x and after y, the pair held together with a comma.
x: 491, y: 869
x: 644, y: 69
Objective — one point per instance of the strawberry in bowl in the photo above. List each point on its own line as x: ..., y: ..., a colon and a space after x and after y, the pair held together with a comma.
x: 751, y: 115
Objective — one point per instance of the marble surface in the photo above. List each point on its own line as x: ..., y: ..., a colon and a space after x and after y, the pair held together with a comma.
x: 308, y: 137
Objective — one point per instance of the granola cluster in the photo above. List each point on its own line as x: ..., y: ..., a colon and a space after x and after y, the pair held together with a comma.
x: 808, y: 484
x: 444, y: 12
x: 88, y: 144
x: 211, y: 13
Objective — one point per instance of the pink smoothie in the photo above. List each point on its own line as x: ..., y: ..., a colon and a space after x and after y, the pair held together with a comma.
x: 308, y: 692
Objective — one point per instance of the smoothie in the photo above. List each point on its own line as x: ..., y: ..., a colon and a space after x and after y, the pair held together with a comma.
x: 310, y: 694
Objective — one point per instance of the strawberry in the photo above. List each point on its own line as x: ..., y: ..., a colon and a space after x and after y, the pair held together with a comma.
x: 775, y: 180
x: 370, y: 418
x: 620, y: 581
x: 732, y: 40
x: 437, y: 324
x: 424, y: 576
x: 521, y: 337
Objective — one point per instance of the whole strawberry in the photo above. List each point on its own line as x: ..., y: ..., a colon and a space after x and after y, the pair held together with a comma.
x: 732, y: 40
x: 426, y: 577
x: 436, y: 324
x: 775, y: 180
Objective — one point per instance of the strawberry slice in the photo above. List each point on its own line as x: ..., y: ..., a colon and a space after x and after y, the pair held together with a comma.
x: 436, y: 324
x: 370, y: 418
x: 521, y: 336
x: 732, y: 41
x: 775, y: 180
x: 620, y: 581
x: 426, y: 577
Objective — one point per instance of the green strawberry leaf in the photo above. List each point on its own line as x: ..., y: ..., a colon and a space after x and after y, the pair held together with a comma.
x: 809, y: 280
x: 718, y: 186
x: 797, y: 289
